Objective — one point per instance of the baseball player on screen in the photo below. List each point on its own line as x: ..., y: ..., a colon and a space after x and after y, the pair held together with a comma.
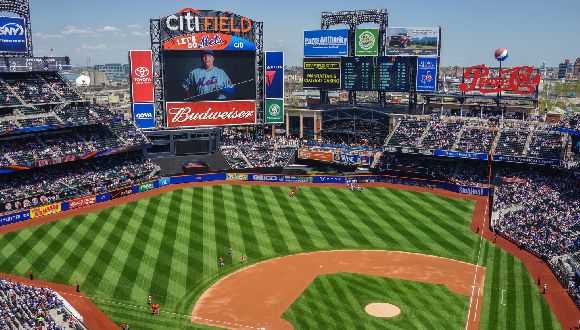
x: 207, y: 79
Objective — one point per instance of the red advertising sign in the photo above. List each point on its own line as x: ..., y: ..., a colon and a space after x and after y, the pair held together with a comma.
x: 82, y: 202
x: 307, y: 154
x: 210, y: 113
x: 141, y: 76
x: 519, y: 80
x: 514, y: 180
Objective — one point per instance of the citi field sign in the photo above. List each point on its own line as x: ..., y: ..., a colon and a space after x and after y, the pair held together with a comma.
x: 190, y: 20
x: 519, y: 80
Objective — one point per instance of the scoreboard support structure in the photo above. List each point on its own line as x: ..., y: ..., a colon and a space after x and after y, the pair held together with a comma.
x: 353, y: 19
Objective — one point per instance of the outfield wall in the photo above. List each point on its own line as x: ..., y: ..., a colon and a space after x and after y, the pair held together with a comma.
x: 135, y: 189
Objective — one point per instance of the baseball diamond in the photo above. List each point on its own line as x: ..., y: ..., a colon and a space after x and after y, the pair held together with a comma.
x: 166, y: 242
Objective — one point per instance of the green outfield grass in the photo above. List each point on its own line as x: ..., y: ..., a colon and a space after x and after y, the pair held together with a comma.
x: 170, y: 244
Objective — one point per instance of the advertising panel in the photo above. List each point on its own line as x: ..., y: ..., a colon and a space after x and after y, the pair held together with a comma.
x: 264, y: 177
x: 35, y: 64
x: 351, y: 159
x: 514, y: 180
x: 14, y: 217
x: 426, y: 74
x: 141, y: 76
x: 12, y: 35
x: 321, y: 73
x: 103, y: 197
x: 194, y: 75
x: 393, y: 73
x: 358, y: 73
x: 307, y: 154
x: 190, y: 114
x: 274, y: 75
x: 326, y: 43
x: 144, y: 114
x: 367, y: 42
x: 411, y: 169
x: 80, y: 202
x: 526, y: 160
x: 44, y: 210
x: 121, y: 192
x: 163, y: 182
x: 274, y: 111
x: 29, y: 202
x: 412, y: 41
x: 209, y: 41
x: 520, y: 80
x: 460, y: 154
x: 230, y: 176
x: 328, y: 179
x: 146, y: 186
x: 192, y: 21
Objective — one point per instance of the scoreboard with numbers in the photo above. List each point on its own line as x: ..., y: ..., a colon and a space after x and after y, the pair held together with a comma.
x: 358, y: 73
x: 34, y: 64
x: 393, y: 73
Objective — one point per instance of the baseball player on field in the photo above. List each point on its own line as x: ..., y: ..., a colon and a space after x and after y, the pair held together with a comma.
x: 207, y: 79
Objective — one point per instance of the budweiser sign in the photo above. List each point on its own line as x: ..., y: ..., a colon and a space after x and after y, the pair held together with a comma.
x: 520, y: 80
x: 180, y: 114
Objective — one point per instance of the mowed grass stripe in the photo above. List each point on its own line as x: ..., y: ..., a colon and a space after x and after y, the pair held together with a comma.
x: 210, y: 262
x: 281, y: 216
x: 273, y: 231
x: 253, y: 199
x: 235, y: 209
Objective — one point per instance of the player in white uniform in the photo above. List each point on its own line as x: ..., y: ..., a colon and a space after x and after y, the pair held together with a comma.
x: 207, y: 79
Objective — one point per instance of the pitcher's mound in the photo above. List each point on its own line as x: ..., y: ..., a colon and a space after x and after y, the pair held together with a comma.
x: 382, y: 310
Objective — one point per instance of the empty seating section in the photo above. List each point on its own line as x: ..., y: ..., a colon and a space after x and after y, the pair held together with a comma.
x: 234, y: 157
x: 511, y: 142
x: 31, y: 88
x: 99, y: 136
x: 62, y: 87
x: 476, y: 140
x: 441, y: 135
x: 38, y: 122
x: 23, y: 149
x: 31, y: 110
x: 545, y: 145
x: 127, y: 131
x: 407, y: 133
x: 73, y: 114
x: 64, y: 143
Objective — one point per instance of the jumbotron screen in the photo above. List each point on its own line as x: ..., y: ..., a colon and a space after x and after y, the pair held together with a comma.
x: 358, y: 73
x: 196, y: 75
x: 393, y: 73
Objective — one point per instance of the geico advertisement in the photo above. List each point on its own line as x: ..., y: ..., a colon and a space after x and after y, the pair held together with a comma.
x: 181, y: 114
x: 44, y: 210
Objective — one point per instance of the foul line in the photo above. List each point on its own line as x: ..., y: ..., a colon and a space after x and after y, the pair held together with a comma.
x: 476, y: 269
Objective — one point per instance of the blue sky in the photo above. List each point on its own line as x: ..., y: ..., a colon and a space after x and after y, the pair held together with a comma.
x: 532, y: 31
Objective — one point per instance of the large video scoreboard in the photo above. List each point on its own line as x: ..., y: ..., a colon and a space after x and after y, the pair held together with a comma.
x: 358, y: 73
x: 34, y: 64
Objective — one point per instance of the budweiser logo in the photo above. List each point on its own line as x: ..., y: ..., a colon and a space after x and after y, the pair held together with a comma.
x: 184, y: 114
x: 519, y: 80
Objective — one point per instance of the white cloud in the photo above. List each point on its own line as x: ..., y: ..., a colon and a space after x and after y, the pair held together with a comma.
x: 140, y: 34
x: 48, y: 36
x: 74, y: 30
x: 134, y: 27
x: 110, y: 29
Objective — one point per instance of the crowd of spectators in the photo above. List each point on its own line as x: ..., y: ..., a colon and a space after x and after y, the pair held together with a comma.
x: 476, y: 140
x: 511, y: 142
x: 472, y: 173
x: 408, y: 132
x: 549, y: 219
x: 28, y: 307
x: 234, y: 157
x: 545, y: 145
x: 441, y: 134
x: 91, y: 175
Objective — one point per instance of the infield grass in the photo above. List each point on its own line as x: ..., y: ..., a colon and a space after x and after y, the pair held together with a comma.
x: 170, y: 244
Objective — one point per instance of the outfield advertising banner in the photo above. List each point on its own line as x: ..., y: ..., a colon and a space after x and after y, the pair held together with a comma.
x: 121, y: 192
x: 44, y: 210
x: 141, y: 76
x: 14, y: 217
x: 146, y: 186
x: 198, y: 178
x: 367, y: 42
x: 80, y: 202
x: 426, y: 74
x: 460, y: 154
x: 326, y: 43
x: 29, y: 202
x: 13, y: 35
x: 307, y: 154
x: 351, y: 159
x: 264, y: 177
x: 416, y: 41
x: 163, y: 182
x: 191, y: 114
x: 144, y: 114
x: 274, y: 75
x: 321, y: 73
x: 328, y: 179
x: 526, y: 160
x: 103, y: 197
x: 274, y: 111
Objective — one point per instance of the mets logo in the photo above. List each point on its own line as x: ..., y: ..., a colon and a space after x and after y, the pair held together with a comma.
x: 274, y: 110
x: 366, y: 40
x: 142, y: 72
x: 427, y: 77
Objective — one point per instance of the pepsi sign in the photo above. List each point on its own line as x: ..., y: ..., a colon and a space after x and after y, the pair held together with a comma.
x: 144, y: 114
x: 12, y: 35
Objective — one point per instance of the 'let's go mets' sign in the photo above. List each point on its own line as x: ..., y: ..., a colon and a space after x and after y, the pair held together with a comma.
x: 520, y: 80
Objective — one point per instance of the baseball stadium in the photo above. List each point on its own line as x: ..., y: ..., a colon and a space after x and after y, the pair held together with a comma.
x: 359, y: 217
